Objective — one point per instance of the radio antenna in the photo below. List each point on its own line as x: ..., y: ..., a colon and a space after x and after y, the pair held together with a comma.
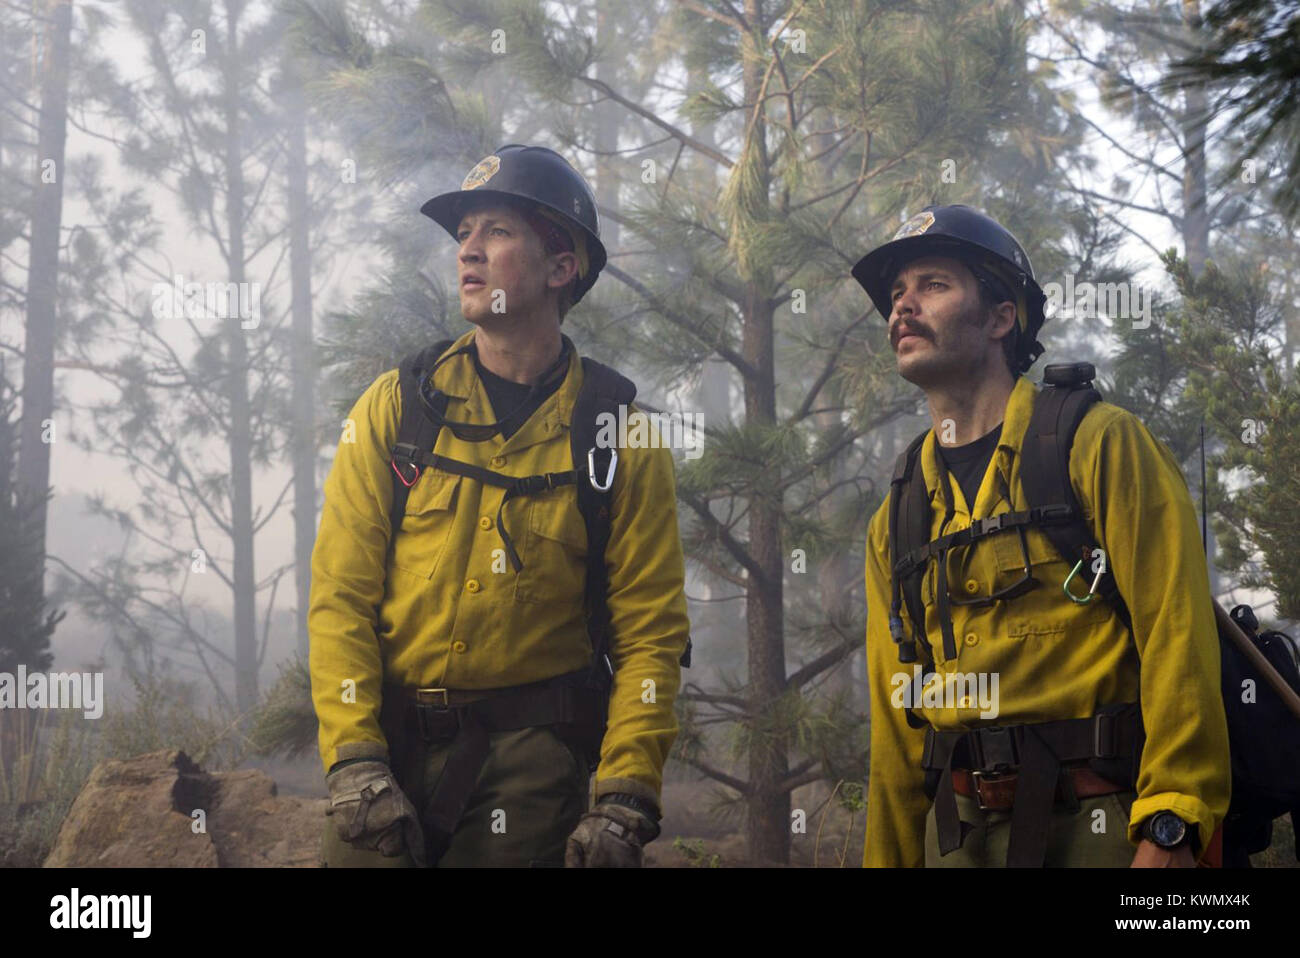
x: 1205, y: 543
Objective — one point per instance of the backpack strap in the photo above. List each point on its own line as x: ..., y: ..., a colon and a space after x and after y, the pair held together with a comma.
x: 416, y: 432
x: 1045, y: 473
x: 603, y: 391
x: 909, y: 530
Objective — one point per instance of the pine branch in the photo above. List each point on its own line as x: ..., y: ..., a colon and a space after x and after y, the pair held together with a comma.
x: 677, y: 319
x: 744, y: 788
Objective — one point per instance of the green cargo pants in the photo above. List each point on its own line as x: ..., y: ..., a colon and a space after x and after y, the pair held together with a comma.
x: 1096, y: 836
x: 529, y: 797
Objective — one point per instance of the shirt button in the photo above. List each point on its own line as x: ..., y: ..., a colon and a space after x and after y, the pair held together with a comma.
x: 498, y: 460
x: 472, y: 585
x: 458, y: 646
x: 972, y: 638
x: 972, y: 586
x: 485, y: 522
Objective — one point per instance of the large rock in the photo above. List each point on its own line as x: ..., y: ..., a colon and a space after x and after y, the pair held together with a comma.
x: 138, y: 813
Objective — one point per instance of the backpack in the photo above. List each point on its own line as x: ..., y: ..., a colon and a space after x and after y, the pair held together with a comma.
x: 603, y: 391
x: 1264, y: 737
x: 1265, y: 771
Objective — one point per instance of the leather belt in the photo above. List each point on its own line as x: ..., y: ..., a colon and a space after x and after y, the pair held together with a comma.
x: 997, y: 792
x: 439, y: 713
x: 438, y: 697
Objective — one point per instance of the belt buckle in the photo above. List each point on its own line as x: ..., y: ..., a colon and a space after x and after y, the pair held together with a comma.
x: 976, y: 775
x: 426, y: 701
x: 428, y: 697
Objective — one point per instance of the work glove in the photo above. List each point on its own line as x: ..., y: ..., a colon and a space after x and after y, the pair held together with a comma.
x: 611, y: 835
x: 372, y: 813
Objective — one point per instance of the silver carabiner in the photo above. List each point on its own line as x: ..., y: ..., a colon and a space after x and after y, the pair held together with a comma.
x: 591, y: 469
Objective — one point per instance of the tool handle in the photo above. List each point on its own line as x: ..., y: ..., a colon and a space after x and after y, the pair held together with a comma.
x: 1257, y: 659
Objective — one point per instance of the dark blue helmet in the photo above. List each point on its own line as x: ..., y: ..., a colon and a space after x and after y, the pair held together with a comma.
x: 530, y: 173
x: 977, y: 240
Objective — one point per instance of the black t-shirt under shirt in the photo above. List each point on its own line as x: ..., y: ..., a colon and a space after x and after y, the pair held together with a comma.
x: 968, y: 463
x: 506, y: 396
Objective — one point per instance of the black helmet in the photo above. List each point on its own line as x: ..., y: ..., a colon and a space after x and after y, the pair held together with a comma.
x: 978, y: 241
x: 531, y: 173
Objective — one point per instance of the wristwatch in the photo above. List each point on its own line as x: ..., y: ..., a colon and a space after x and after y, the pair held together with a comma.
x: 1166, y: 830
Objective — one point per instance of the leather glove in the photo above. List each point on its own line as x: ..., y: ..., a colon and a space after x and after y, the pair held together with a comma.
x: 372, y: 813
x: 611, y: 835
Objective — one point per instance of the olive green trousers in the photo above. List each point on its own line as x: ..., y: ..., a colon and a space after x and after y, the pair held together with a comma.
x: 1096, y: 836
x: 528, y: 799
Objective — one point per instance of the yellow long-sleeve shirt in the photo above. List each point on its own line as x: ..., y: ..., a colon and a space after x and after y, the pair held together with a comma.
x: 1055, y: 659
x: 447, y: 609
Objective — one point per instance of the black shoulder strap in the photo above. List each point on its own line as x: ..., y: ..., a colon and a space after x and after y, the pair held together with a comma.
x: 414, y: 428
x: 1045, y: 477
x: 909, y: 529
x: 603, y: 391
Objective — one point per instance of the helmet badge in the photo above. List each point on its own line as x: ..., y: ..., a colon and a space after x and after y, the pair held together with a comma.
x: 917, y: 225
x: 483, y: 171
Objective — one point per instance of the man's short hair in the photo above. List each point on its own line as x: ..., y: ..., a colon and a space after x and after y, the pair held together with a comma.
x: 992, y: 294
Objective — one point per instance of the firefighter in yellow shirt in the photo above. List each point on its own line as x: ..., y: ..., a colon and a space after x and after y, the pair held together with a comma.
x: 462, y: 704
x: 1016, y: 718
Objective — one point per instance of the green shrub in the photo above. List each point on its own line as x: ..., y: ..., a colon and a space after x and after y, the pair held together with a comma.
x: 286, y: 720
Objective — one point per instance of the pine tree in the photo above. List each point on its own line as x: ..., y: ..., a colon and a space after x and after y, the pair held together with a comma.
x: 25, y: 625
x: 1217, y: 359
x: 804, y: 133
x: 1252, y: 47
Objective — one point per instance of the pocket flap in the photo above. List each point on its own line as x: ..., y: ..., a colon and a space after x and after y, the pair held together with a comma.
x: 1010, y: 557
x: 433, y: 491
x: 556, y: 516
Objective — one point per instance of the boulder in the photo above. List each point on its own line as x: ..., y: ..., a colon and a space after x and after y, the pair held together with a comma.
x: 138, y: 813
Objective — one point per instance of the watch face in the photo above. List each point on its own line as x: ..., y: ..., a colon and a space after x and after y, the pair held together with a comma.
x: 1167, y: 829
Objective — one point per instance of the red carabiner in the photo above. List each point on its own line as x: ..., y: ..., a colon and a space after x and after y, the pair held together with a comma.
x: 412, y: 482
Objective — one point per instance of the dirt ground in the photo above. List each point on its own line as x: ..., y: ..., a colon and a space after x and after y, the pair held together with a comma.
x: 694, y: 828
x: 699, y: 831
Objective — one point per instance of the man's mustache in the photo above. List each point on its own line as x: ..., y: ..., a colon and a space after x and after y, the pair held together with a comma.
x: 903, y: 329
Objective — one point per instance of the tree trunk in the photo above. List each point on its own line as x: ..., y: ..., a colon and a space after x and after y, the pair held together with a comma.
x: 241, y: 506
x: 43, y: 271
x: 768, y: 800
x: 607, y: 115
x: 1196, y: 220
x: 301, y: 364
